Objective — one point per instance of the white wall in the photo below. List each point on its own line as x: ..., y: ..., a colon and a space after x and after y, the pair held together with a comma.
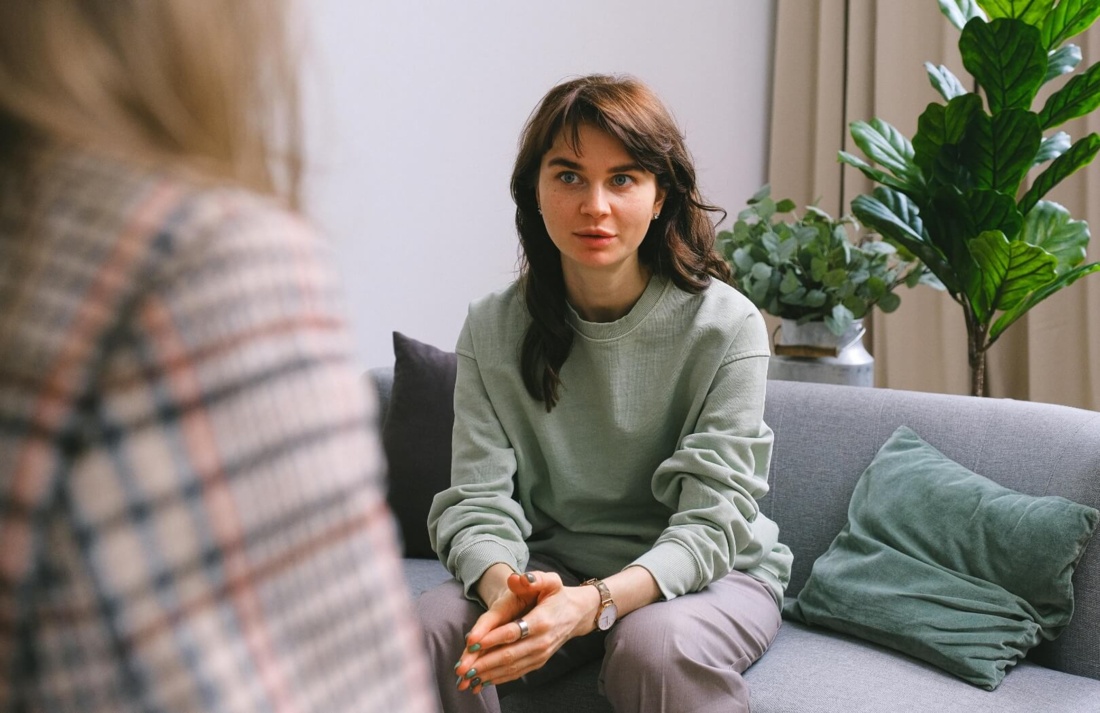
x: 413, y: 110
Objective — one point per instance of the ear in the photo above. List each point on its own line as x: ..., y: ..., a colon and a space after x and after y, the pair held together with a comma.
x: 659, y: 202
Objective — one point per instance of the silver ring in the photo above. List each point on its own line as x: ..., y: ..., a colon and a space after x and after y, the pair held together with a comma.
x: 524, y: 632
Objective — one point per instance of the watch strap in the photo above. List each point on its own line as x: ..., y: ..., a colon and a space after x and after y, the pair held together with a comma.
x: 605, y: 597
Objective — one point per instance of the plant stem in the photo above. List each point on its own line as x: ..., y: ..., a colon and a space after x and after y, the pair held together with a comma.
x: 976, y: 333
x: 977, y: 374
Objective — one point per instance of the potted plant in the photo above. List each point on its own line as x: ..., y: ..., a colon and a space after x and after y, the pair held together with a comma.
x: 956, y: 196
x: 806, y: 269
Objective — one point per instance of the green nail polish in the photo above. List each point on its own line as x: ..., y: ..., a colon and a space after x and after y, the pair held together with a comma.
x: 474, y: 648
x: 457, y: 664
x: 471, y: 673
x: 475, y: 683
x: 458, y: 681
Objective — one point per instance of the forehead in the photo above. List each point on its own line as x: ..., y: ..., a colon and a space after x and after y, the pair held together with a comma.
x: 588, y: 144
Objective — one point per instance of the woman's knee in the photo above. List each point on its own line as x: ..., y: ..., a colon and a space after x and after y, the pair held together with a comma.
x: 642, y: 641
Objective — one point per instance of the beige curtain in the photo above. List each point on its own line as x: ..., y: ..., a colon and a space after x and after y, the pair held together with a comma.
x: 838, y: 61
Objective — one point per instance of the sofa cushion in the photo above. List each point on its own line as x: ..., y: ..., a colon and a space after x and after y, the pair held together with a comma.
x: 944, y: 564
x: 816, y: 671
x: 813, y: 671
x: 416, y: 436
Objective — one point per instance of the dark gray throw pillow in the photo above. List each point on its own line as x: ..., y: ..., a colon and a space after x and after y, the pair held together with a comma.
x: 416, y: 435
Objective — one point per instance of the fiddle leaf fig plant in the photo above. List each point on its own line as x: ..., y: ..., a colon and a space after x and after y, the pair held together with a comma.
x: 956, y: 195
x: 808, y: 268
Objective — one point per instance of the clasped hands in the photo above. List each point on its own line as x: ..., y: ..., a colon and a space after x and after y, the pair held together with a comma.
x: 554, y: 613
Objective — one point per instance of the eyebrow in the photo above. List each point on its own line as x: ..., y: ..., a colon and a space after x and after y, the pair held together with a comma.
x: 574, y: 166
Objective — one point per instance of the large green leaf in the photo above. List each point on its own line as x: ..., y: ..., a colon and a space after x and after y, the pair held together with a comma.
x: 950, y: 226
x: 959, y: 12
x: 875, y: 174
x: 1007, y: 58
x: 1050, y: 227
x: 944, y: 81
x: 1062, y: 61
x: 990, y: 210
x: 1079, y: 96
x: 1064, y: 280
x: 999, y: 150
x: 1078, y: 155
x: 940, y: 129
x: 886, y: 146
x: 1007, y: 273
x: 1030, y: 11
x: 1052, y: 147
x: 932, y: 134
x: 895, y: 208
x: 953, y: 219
x: 893, y: 215
x: 1068, y: 19
x: 989, y: 250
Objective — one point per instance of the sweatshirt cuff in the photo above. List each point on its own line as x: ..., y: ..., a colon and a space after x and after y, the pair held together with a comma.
x: 673, y: 567
x: 472, y: 562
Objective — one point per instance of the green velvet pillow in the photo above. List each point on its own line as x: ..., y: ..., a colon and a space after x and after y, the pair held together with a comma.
x: 945, y: 565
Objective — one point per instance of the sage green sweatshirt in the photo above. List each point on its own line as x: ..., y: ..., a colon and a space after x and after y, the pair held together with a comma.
x: 655, y: 455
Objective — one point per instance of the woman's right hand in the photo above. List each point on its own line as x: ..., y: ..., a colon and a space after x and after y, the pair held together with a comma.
x: 554, y: 613
x: 505, y: 600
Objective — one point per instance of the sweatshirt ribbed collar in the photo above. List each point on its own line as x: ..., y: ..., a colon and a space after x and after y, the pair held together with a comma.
x: 625, y: 324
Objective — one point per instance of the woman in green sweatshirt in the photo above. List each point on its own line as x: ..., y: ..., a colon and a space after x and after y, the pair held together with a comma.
x: 609, y: 440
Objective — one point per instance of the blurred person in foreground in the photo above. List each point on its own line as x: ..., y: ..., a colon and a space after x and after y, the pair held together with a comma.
x: 191, y: 508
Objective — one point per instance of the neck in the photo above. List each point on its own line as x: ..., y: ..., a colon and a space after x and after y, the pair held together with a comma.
x: 605, y: 297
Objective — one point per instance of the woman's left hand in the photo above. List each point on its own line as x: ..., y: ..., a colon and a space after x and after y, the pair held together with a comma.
x: 495, y: 652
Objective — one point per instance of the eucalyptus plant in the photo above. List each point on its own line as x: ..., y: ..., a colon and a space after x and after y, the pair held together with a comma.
x: 808, y: 268
x: 957, y: 195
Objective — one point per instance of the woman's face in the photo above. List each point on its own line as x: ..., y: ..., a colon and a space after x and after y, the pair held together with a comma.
x: 597, y: 203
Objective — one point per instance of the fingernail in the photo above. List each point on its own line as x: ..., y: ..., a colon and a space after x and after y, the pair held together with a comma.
x: 530, y: 578
x: 457, y: 664
x: 471, y: 673
x: 476, y: 682
x: 474, y: 648
x: 458, y: 681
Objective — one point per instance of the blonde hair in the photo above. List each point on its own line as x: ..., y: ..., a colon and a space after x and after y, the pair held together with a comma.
x: 208, y: 86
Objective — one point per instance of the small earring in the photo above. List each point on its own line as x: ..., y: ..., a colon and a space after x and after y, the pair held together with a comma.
x: 540, y: 211
x: 656, y: 216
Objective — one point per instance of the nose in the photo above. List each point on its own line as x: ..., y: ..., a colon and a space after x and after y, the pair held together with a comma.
x: 595, y: 202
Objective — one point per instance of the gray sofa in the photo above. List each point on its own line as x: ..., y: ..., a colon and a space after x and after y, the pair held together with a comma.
x: 825, y: 436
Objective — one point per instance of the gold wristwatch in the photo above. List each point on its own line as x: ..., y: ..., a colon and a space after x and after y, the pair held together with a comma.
x: 608, y: 612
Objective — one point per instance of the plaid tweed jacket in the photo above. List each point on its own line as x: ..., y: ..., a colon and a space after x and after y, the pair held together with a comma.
x: 191, y: 505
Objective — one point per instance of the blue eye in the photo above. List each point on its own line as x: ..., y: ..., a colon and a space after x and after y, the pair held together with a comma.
x: 568, y: 178
x: 621, y: 180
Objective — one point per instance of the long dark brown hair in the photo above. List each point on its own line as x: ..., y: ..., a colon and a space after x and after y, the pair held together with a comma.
x: 679, y: 244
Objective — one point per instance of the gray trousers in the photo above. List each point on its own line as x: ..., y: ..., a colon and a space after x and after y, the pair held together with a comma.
x: 685, y: 655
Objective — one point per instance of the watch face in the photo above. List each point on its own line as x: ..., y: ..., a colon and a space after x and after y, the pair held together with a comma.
x: 608, y: 616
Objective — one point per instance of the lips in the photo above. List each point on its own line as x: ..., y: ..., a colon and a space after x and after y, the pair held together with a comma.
x: 594, y: 234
